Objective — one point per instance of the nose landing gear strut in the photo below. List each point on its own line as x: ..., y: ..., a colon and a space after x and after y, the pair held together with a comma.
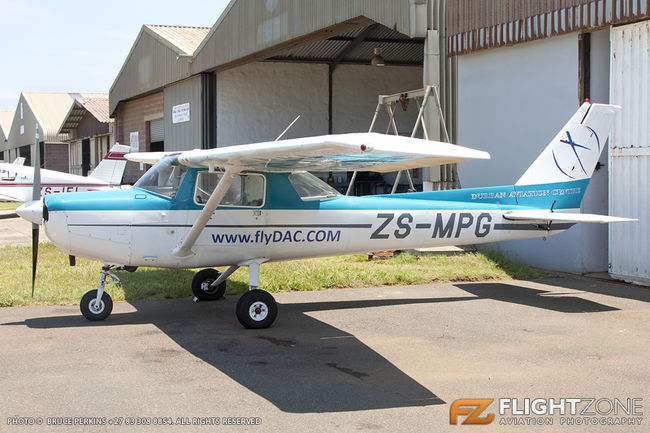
x: 97, y: 304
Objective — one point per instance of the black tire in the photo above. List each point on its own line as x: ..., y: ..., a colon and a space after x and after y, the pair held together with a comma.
x: 93, y: 313
x: 201, y: 283
x: 256, y: 309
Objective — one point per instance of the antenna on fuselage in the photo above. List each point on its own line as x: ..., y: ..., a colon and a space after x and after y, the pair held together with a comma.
x: 287, y: 128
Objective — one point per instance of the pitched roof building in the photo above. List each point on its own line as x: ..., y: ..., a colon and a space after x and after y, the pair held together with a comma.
x: 48, y: 110
x: 90, y: 132
x: 6, y: 117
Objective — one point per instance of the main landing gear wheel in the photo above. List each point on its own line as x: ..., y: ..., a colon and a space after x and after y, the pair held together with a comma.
x: 201, y: 285
x: 93, y: 310
x: 256, y: 309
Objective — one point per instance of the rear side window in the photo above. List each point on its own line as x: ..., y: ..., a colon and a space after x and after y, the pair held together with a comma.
x: 246, y: 191
x: 309, y: 187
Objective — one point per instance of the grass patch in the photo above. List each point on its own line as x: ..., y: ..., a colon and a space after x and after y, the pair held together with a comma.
x: 9, y: 205
x: 57, y: 283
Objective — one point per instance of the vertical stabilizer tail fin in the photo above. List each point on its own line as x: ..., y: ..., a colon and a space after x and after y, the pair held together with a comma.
x: 111, y: 168
x: 575, y: 150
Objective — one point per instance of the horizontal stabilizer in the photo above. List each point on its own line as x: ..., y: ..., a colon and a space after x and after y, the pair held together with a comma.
x: 547, y: 215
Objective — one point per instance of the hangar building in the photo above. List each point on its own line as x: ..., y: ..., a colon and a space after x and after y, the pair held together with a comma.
x: 49, y: 110
x: 90, y: 133
x: 510, y: 74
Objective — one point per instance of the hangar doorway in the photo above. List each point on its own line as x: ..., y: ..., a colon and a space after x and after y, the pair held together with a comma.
x: 332, y: 83
x: 85, y: 156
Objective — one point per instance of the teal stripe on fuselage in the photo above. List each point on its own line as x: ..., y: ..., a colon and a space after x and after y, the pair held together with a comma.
x: 566, y: 195
x: 280, y: 195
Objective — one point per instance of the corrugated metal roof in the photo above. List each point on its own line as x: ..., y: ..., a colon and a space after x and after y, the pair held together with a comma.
x: 95, y: 105
x: 185, y: 39
x: 251, y: 30
x: 154, y: 61
x: 396, y: 47
x: 49, y: 109
x: 6, y: 117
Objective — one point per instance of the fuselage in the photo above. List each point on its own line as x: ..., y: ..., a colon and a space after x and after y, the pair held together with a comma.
x: 17, y: 182
x: 140, y: 227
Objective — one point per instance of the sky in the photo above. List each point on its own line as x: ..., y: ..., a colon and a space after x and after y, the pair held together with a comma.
x: 80, y: 46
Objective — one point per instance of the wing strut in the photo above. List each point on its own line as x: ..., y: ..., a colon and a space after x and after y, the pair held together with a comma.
x: 185, y: 248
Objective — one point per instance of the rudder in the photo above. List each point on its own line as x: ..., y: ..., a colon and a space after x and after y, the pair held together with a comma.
x: 111, y: 168
x: 575, y: 150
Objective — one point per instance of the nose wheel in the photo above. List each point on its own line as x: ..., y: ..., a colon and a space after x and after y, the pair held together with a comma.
x: 97, y: 304
x: 95, y: 310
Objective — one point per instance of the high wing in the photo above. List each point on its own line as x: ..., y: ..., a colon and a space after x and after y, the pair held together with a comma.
x: 340, y: 152
x: 547, y: 215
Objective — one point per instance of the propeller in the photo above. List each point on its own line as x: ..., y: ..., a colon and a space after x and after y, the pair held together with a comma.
x: 36, y: 195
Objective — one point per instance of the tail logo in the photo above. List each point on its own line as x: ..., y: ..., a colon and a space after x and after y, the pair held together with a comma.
x: 573, y: 145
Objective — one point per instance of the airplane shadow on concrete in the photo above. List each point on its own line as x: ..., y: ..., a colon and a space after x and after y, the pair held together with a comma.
x: 617, y: 289
x: 301, y: 364
x: 565, y: 302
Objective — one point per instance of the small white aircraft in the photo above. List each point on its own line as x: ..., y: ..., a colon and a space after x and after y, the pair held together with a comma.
x: 251, y: 204
x: 17, y: 181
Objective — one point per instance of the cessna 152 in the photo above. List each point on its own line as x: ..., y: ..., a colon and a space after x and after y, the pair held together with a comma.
x: 16, y: 180
x: 250, y: 204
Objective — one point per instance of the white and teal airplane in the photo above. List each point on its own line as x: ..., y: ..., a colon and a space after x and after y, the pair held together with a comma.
x: 251, y: 204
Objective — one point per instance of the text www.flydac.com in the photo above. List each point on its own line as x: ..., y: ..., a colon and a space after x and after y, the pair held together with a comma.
x: 277, y: 236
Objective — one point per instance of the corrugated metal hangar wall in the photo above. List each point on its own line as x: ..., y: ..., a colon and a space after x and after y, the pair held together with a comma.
x: 629, y: 156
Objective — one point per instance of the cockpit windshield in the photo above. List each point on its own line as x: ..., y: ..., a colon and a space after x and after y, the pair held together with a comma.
x: 309, y: 187
x: 164, y: 177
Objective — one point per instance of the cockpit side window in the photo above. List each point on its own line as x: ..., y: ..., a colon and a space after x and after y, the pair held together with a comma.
x: 247, y: 190
x: 164, y: 177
